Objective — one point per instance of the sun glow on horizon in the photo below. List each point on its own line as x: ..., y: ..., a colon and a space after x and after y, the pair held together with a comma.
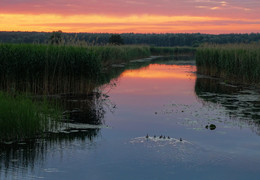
x: 137, y: 16
x: 132, y: 23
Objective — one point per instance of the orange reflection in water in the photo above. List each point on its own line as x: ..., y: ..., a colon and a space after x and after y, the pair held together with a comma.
x: 158, y: 71
x: 155, y: 84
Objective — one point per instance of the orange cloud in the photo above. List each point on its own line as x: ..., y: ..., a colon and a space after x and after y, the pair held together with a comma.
x: 132, y: 23
x: 139, y: 16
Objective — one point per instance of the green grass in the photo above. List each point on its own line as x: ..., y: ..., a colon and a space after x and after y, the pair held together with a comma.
x: 240, y: 62
x: 22, y: 118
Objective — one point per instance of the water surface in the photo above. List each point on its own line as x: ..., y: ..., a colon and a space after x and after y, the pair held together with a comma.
x: 164, y: 99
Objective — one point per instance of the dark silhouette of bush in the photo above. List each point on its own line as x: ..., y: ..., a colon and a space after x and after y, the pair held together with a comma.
x: 56, y: 37
x: 116, y: 39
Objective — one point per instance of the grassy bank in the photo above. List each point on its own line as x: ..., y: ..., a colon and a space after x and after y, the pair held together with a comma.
x: 22, y: 118
x: 239, y: 62
x: 173, y: 51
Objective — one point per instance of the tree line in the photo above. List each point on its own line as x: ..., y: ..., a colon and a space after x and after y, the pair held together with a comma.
x: 167, y: 39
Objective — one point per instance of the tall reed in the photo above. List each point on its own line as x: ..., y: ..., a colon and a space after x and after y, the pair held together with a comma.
x: 21, y: 117
x: 173, y: 50
x: 48, y: 65
x: 236, y: 61
x: 50, y: 69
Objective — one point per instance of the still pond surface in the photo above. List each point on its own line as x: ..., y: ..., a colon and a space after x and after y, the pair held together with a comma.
x: 157, y: 122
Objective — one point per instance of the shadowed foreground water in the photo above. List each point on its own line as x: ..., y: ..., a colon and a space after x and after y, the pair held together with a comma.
x: 166, y: 99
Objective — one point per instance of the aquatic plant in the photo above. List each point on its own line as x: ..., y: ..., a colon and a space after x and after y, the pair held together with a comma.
x: 234, y: 61
x: 21, y: 117
x: 243, y: 108
x: 31, y: 58
x: 173, y: 50
x: 50, y: 63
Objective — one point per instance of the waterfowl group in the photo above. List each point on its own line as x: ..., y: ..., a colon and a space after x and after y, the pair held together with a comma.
x: 160, y: 137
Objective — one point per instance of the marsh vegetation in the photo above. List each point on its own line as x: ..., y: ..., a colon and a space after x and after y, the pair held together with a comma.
x: 56, y: 72
x: 176, y: 51
x: 41, y: 60
x: 70, y: 73
x: 69, y: 76
x: 239, y: 62
x: 107, y: 125
x: 22, y: 118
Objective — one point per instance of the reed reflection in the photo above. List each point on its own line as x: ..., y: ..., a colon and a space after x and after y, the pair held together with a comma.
x: 84, y: 102
x: 242, y: 103
x: 84, y: 105
x: 21, y: 158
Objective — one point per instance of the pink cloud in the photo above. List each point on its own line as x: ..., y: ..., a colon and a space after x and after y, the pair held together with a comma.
x: 231, y: 8
x: 232, y: 13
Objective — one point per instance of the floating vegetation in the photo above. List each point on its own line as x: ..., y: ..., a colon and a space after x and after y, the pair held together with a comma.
x: 220, y: 104
x: 196, y: 115
x: 240, y: 103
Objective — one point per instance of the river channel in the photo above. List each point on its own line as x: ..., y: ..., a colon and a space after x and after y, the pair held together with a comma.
x: 156, y: 120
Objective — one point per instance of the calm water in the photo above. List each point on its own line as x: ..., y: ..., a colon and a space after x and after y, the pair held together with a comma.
x: 166, y: 99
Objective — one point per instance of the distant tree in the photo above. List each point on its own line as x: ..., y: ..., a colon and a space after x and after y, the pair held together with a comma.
x: 169, y: 39
x: 56, y: 37
x: 116, y: 39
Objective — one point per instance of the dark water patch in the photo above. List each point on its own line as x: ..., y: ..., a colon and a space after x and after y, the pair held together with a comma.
x: 22, y: 158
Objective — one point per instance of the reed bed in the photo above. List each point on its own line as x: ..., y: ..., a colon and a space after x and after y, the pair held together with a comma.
x: 120, y: 54
x: 49, y: 69
x: 33, y: 59
x: 173, y: 50
x: 22, y: 118
x: 44, y: 65
x: 239, y: 62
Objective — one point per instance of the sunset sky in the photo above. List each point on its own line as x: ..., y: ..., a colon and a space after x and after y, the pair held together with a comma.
x: 138, y: 16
